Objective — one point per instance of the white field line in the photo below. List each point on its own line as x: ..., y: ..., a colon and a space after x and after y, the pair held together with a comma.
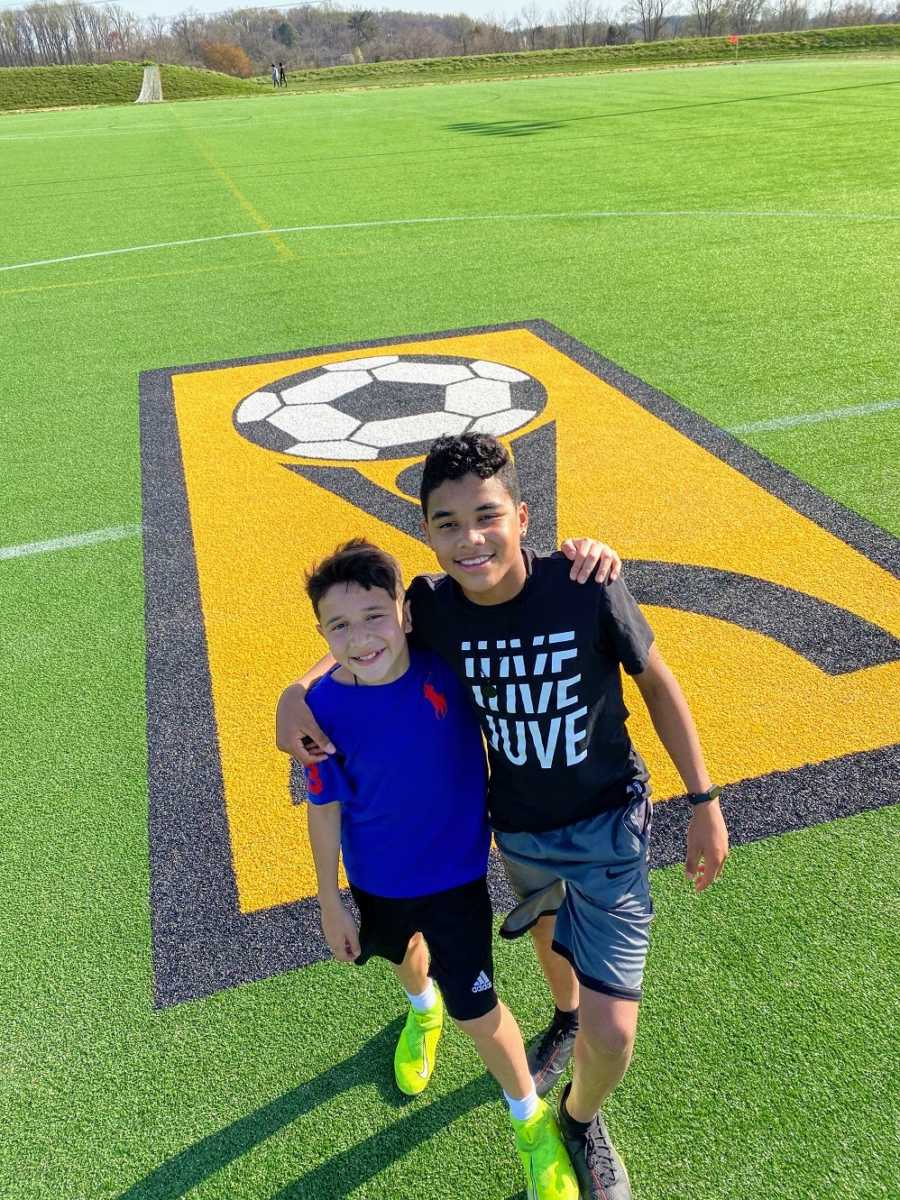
x: 688, y: 214
x: 73, y: 542
x: 135, y: 129
x: 814, y: 418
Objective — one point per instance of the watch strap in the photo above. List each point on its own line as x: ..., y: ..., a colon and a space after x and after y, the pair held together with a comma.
x: 695, y: 798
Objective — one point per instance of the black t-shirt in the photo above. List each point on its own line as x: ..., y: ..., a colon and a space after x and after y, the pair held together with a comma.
x: 543, y: 673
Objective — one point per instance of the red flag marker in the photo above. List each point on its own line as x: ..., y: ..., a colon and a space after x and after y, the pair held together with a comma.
x: 734, y: 39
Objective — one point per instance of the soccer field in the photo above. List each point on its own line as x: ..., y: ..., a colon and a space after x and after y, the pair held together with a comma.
x: 699, y: 268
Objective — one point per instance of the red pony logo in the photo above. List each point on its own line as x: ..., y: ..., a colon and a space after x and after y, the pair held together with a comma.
x: 314, y: 781
x: 437, y: 700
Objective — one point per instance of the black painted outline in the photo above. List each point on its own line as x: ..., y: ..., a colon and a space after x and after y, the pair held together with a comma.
x: 201, y: 942
x: 535, y: 454
x: 833, y: 639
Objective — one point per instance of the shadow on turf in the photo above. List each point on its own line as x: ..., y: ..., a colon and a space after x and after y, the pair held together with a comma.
x: 505, y: 128
x: 526, y: 128
x: 346, y: 1170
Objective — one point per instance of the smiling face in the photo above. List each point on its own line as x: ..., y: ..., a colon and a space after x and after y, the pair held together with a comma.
x: 475, y: 528
x: 366, y: 632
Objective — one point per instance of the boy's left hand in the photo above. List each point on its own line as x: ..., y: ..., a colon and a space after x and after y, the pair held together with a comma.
x: 589, y: 557
x: 707, y: 845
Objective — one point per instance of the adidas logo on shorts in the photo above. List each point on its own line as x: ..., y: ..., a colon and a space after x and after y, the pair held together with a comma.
x: 482, y: 984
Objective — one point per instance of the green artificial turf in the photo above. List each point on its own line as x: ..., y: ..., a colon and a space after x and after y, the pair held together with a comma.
x: 764, y: 1060
x: 742, y: 318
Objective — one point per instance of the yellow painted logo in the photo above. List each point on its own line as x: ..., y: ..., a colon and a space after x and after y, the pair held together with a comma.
x: 783, y: 634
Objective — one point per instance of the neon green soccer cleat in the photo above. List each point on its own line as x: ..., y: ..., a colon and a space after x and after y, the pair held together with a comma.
x: 416, y: 1050
x: 548, y: 1170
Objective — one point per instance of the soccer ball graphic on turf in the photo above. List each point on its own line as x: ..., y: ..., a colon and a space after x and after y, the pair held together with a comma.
x: 387, y: 406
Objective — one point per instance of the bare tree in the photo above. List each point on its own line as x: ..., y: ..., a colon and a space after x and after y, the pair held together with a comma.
x: 362, y: 25
x: 19, y: 46
x: 553, y: 30
x: 462, y: 29
x: 83, y: 31
x: 790, y: 14
x: 708, y: 16
x: 188, y: 31
x: 743, y: 16
x: 155, y: 34
x: 531, y: 23
x: 579, y: 16
x: 650, y: 15
x: 856, y: 13
x: 492, y: 36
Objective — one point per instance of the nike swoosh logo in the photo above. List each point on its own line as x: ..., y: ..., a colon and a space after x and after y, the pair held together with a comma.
x: 423, y: 1074
x: 618, y: 874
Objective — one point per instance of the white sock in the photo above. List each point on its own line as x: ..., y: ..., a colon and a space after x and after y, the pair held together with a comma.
x: 524, y: 1108
x: 425, y: 1000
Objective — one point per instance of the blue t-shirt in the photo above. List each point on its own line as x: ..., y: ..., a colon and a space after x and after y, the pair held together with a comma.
x: 411, y: 779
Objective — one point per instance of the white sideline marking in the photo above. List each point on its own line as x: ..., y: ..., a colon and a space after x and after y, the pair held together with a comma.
x: 558, y: 216
x: 813, y: 418
x: 133, y: 129
x: 73, y: 541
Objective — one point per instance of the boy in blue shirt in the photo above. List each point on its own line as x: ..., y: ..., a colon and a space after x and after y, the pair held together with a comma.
x: 405, y: 803
x: 541, y: 661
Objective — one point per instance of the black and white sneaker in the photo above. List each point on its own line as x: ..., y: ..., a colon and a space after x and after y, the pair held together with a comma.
x: 549, y: 1053
x: 601, y: 1173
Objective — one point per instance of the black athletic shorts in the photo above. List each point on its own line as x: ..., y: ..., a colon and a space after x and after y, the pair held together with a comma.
x: 456, y: 924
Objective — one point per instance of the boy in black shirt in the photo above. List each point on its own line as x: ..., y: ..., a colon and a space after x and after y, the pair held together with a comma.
x: 568, y: 794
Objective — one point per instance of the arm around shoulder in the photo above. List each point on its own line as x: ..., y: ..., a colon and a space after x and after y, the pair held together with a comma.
x: 297, y: 732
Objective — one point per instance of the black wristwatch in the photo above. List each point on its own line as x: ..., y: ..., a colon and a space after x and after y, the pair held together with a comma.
x: 695, y: 798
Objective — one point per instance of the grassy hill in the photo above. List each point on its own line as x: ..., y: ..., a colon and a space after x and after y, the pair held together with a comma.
x: 109, y: 83
x: 120, y: 82
x: 597, y: 58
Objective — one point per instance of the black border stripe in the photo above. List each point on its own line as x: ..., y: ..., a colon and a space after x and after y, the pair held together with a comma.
x: 833, y: 639
x: 871, y: 540
x: 201, y: 942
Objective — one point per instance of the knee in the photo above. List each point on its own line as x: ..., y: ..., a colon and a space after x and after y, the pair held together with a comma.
x: 543, y: 929
x: 481, y: 1029
x: 610, y: 1039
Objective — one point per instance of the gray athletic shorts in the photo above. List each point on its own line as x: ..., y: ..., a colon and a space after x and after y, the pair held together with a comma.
x: 604, y: 906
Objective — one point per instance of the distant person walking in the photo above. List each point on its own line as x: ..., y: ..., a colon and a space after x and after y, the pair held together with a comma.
x: 282, y: 78
x: 274, y: 75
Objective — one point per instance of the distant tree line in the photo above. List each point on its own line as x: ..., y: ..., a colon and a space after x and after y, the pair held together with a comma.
x: 244, y: 41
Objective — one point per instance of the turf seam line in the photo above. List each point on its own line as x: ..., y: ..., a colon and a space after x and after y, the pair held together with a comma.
x: 813, y: 418
x: 73, y: 541
x: 673, y: 214
x: 282, y: 250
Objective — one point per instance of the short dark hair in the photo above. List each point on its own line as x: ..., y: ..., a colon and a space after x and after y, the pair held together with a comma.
x: 452, y: 457
x: 356, y: 561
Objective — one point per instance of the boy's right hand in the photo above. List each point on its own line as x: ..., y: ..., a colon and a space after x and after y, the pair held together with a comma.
x: 296, y: 730
x: 340, y: 930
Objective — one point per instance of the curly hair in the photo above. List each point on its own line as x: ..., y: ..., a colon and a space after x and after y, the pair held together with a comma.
x: 452, y: 457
